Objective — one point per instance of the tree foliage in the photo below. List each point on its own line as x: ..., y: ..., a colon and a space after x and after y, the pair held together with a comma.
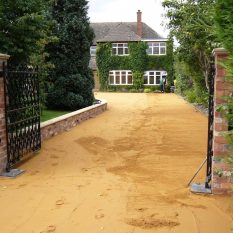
x: 191, y: 22
x: 224, y: 23
x: 71, y: 82
x: 24, y: 29
x: 224, y: 26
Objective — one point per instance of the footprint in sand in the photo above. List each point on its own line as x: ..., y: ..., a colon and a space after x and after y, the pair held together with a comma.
x: 33, y: 173
x: 54, y: 157
x: 150, y: 222
x: 104, y: 194
x: 49, y: 229
x: 21, y: 186
x: 84, y: 170
x: 59, y: 202
x: 80, y: 186
x: 141, y: 209
x: 99, y: 215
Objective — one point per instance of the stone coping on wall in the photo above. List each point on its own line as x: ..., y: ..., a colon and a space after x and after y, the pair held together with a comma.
x: 4, y: 56
x: 220, y: 51
x: 65, y: 122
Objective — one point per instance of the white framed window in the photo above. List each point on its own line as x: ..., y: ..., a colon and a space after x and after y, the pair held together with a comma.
x: 120, y: 49
x: 156, y: 48
x: 153, y: 77
x: 120, y: 77
x: 93, y: 51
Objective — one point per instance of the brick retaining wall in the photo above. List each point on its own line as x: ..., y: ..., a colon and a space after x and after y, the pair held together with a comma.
x: 65, y: 122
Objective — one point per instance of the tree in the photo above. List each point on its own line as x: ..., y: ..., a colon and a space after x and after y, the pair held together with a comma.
x: 71, y: 81
x: 224, y: 28
x: 23, y: 26
x: 224, y: 23
x: 191, y: 22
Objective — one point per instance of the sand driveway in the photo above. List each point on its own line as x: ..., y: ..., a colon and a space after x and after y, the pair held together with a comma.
x: 124, y: 171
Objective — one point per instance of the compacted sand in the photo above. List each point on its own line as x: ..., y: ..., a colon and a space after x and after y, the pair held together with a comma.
x: 125, y: 171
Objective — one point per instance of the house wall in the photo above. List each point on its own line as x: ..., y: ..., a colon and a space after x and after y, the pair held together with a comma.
x: 97, y: 81
x: 222, y: 175
x: 137, y: 61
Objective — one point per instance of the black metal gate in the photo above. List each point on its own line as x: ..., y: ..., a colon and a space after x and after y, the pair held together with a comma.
x: 211, y: 80
x: 22, y: 113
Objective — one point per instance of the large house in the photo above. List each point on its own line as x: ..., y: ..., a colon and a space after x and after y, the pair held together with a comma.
x: 119, y: 38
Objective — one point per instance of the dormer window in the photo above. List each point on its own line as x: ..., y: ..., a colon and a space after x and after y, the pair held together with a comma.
x: 156, y: 48
x: 120, y: 49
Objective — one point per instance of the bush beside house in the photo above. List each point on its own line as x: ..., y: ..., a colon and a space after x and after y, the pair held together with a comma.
x: 71, y: 81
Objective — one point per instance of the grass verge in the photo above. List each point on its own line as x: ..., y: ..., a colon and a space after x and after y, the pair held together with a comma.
x: 50, y: 114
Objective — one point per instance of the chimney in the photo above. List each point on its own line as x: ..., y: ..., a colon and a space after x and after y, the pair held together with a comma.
x: 139, y: 23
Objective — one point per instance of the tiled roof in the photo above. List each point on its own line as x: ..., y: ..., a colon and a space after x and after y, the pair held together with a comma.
x: 122, y: 31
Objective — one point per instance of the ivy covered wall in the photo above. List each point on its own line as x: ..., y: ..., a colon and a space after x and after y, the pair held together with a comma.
x: 137, y: 61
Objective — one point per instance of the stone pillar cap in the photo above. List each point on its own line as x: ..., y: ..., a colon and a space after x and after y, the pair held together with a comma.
x: 4, y: 56
x: 221, y: 51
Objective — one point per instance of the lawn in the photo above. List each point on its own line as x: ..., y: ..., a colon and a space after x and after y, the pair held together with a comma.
x: 50, y: 114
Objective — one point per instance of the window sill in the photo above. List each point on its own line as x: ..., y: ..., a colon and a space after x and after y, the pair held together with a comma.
x: 120, y: 84
x: 156, y: 54
x: 151, y: 84
x: 122, y: 55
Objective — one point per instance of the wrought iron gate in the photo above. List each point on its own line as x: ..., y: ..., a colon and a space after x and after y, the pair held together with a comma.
x: 22, y: 113
x: 210, y: 124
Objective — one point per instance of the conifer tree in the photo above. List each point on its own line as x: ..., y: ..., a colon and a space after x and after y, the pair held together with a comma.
x: 71, y: 80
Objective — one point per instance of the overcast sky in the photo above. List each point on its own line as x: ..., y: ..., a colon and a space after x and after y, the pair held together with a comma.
x: 125, y: 11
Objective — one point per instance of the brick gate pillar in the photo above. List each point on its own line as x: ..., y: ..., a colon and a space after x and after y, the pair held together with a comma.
x: 222, y: 178
x: 3, y: 142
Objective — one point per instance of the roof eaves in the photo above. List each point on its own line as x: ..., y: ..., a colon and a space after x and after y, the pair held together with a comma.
x: 157, y: 39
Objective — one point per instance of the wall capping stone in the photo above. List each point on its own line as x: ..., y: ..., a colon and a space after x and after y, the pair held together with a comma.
x: 4, y: 56
x: 220, y: 51
x: 67, y: 121
x: 68, y: 115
